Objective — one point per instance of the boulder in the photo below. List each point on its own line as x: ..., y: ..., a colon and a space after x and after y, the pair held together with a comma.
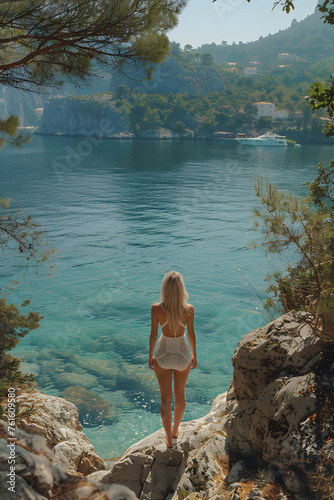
x: 278, y: 403
x: 57, y: 421
x: 35, y: 475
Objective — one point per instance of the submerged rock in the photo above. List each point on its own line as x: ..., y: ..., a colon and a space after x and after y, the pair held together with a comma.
x: 93, y: 409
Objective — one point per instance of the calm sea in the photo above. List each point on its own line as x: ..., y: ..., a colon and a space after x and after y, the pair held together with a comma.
x: 120, y: 215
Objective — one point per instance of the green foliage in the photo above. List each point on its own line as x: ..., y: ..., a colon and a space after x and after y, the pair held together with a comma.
x: 308, y: 39
x: 122, y: 92
x: 178, y: 127
x: 264, y: 122
x: 305, y: 225
x: 13, y: 326
x: 8, y: 130
x: 328, y: 11
x: 44, y: 42
x: 322, y: 96
x: 263, y: 477
x: 207, y: 59
x: 289, y: 5
x: 151, y: 119
x: 21, y: 234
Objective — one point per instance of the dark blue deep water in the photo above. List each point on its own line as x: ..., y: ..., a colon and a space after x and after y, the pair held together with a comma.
x: 121, y: 214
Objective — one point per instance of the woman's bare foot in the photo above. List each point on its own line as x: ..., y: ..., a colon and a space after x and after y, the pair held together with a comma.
x: 169, y: 445
x: 175, y: 433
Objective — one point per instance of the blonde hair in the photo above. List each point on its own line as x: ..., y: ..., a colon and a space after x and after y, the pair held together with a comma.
x: 174, y: 297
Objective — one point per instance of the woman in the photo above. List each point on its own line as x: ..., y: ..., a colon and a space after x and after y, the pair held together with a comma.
x: 172, y: 354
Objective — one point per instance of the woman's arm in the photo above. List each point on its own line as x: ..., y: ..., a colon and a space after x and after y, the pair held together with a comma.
x: 191, y: 337
x: 153, y: 336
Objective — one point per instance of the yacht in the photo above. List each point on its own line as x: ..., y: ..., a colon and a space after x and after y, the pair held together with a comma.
x: 268, y: 139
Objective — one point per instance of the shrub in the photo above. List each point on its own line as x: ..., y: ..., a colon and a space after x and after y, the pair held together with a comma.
x: 306, y: 225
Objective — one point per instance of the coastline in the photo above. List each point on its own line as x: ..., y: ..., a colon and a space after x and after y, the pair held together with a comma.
x: 168, y: 135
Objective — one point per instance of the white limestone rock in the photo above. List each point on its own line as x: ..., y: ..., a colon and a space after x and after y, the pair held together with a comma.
x: 154, y: 472
x: 37, y: 477
x: 274, y: 396
x: 57, y: 420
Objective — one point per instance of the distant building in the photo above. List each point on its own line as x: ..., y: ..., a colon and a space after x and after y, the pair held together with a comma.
x: 281, y: 114
x: 265, y: 108
x: 284, y: 56
x: 250, y: 71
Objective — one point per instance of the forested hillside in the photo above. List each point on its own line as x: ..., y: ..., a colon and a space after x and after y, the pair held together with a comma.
x: 309, y: 39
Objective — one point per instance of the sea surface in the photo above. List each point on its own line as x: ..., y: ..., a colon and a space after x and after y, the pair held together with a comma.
x: 121, y: 214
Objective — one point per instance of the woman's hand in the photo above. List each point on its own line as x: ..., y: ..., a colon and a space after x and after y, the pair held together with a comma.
x: 151, y: 363
x: 193, y: 363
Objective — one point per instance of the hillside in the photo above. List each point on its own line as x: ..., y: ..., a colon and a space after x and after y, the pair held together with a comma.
x: 171, y: 76
x: 309, y: 39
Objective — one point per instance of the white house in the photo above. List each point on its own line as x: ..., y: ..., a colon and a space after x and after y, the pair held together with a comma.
x: 265, y: 108
x: 250, y: 71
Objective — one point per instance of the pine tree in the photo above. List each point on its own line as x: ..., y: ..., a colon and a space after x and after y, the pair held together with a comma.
x: 306, y: 226
x: 43, y: 43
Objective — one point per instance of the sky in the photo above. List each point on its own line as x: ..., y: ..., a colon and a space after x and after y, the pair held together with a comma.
x: 204, y: 21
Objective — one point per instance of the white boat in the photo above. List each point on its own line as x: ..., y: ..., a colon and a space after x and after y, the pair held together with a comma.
x: 268, y: 139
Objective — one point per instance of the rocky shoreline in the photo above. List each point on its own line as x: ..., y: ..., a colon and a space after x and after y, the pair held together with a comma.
x: 269, y: 437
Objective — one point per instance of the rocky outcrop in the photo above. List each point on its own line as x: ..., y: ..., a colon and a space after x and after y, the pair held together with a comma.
x: 171, y: 76
x: 196, y: 467
x: 89, y: 116
x: 57, y: 421
x: 28, y: 471
x: 154, y: 472
x: 278, y: 410
x: 279, y: 405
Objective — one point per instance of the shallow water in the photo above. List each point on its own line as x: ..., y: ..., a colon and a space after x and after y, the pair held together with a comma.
x: 121, y: 214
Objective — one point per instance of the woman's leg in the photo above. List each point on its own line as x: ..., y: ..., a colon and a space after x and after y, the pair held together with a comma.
x: 180, y: 379
x: 165, y: 383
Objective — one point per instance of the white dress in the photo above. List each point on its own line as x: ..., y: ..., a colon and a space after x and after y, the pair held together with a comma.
x: 173, y: 352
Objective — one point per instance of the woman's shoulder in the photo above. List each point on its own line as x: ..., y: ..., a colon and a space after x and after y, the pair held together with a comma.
x: 190, y: 309
x: 156, y: 307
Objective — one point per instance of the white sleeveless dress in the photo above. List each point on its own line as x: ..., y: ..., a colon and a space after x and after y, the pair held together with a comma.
x: 173, y: 352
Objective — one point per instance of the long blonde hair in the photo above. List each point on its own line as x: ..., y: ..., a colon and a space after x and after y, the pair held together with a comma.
x: 174, y: 297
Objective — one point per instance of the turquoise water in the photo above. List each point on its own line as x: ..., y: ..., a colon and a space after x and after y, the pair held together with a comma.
x: 121, y: 214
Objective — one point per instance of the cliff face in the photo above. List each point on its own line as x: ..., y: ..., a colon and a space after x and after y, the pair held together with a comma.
x: 86, y: 116
x: 170, y: 77
x: 280, y: 402
x: 21, y: 104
